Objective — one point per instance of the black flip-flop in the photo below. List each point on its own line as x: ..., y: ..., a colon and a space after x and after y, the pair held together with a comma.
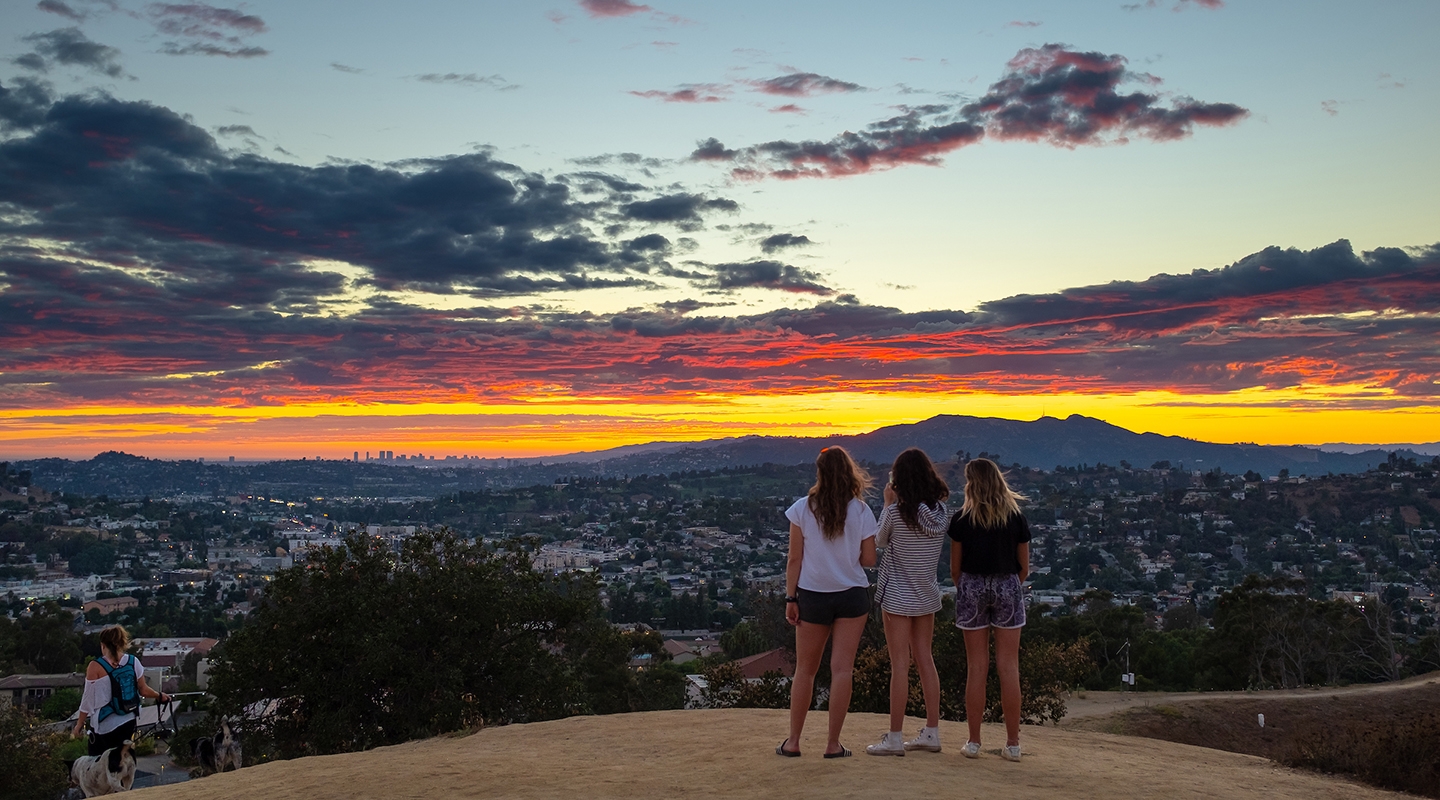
x: 781, y: 751
x: 844, y: 753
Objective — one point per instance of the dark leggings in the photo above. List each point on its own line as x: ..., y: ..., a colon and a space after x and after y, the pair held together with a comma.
x: 100, y: 742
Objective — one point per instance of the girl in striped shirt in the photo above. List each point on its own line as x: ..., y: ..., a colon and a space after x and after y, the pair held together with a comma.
x: 912, y: 529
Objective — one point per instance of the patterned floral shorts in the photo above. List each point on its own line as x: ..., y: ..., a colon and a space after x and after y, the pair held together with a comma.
x: 989, y: 601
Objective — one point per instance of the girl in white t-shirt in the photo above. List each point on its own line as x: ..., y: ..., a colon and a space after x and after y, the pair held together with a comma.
x: 109, y: 727
x: 832, y: 540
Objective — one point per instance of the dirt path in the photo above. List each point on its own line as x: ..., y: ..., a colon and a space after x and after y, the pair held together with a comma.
x: 730, y: 753
x: 1086, y: 705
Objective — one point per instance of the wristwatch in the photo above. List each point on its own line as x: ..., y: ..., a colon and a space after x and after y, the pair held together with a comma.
x: 790, y: 598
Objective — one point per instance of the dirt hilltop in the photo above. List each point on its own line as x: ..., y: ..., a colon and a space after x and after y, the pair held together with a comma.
x: 730, y: 753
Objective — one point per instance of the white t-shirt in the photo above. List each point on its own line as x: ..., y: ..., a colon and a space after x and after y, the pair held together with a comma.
x: 97, y: 696
x: 832, y: 565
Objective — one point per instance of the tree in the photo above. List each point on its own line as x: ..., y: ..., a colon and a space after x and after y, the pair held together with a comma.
x: 726, y: 687
x: 365, y: 646
x: 28, y: 766
x: 60, y: 705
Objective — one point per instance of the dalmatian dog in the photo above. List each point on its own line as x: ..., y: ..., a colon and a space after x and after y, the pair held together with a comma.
x: 110, y: 772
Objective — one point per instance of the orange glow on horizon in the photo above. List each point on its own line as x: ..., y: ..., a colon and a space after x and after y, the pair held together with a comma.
x: 557, y: 424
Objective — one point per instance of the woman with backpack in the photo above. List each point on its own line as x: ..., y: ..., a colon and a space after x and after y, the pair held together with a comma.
x: 989, y: 560
x: 912, y: 531
x: 827, y: 594
x: 114, y: 684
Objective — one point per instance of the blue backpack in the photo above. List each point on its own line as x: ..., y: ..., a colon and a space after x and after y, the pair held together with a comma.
x: 124, y: 690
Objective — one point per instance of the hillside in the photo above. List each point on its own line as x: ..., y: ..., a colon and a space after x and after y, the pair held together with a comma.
x: 1043, y: 443
x: 731, y: 754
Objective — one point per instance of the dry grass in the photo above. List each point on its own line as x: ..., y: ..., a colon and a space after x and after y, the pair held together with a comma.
x: 1390, y: 739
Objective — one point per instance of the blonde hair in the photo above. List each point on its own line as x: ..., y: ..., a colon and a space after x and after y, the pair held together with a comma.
x: 989, y: 500
x: 838, y: 480
x: 116, y: 638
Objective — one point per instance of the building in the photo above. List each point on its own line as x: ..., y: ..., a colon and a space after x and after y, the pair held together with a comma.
x: 110, y: 605
x: 777, y: 660
x: 29, y: 691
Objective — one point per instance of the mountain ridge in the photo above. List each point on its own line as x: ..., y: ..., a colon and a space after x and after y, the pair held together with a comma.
x: 1044, y: 443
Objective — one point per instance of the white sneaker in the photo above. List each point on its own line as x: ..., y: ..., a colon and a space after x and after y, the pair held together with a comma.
x: 891, y: 744
x: 1010, y: 752
x: 971, y: 750
x: 929, y: 739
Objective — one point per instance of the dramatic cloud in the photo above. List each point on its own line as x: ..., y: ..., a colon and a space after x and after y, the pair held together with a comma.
x: 201, y: 29
x: 804, y: 84
x: 769, y: 275
x: 1049, y: 94
x: 780, y: 241
x: 1274, y: 320
x: 689, y: 93
x: 70, y: 47
x: 676, y: 208
x: 141, y: 188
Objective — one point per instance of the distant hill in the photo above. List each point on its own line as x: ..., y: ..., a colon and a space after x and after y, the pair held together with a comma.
x: 1044, y: 443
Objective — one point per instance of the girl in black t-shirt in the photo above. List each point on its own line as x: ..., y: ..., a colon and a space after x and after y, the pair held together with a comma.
x: 989, y: 561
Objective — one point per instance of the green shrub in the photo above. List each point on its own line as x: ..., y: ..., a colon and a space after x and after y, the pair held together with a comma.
x: 30, y: 766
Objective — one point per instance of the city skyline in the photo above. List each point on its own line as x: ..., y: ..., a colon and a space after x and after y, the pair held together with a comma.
x: 498, y: 230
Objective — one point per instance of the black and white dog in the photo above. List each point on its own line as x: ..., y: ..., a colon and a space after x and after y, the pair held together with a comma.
x: 110, y: 772
x: 218, y: 752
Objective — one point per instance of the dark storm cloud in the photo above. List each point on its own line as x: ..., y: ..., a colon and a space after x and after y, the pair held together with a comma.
x: 137, y: 185
x: 70, y: 47
x: 1277, y: 319
x: 780, y: 241
x: 768, y: 275
x: 681, y: 207
x: 1050, y: 94
x: 23, y: 104
x: 804, y: 84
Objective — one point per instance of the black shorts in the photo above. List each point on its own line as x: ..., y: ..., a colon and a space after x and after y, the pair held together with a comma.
x: 823, y: 608
x: 100, y: 742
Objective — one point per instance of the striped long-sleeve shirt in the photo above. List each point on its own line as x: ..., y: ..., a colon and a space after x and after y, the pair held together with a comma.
x: 907, y: 583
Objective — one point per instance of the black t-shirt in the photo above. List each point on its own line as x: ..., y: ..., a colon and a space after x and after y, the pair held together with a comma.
x: 989, y: 551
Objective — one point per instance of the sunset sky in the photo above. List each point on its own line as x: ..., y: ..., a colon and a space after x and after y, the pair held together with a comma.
x: 516, y: 229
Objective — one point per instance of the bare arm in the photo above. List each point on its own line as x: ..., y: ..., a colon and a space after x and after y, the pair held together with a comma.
x: 955, y: 562
x: 867, y: 552
x: 792, y: 572
x: 1022, y: 554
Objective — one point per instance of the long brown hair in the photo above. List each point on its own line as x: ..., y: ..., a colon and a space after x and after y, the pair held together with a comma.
x: 916, y: 481
x: 116, y: 639
x: 838, y: 480
x: 989, y: 500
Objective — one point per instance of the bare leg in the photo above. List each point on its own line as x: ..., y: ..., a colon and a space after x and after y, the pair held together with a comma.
x: 922, y: 633
x: 977, y: 660
x: 809, y: 647
x: 842, y: 668
x: 1007, y: 663
x: 897, y: 637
